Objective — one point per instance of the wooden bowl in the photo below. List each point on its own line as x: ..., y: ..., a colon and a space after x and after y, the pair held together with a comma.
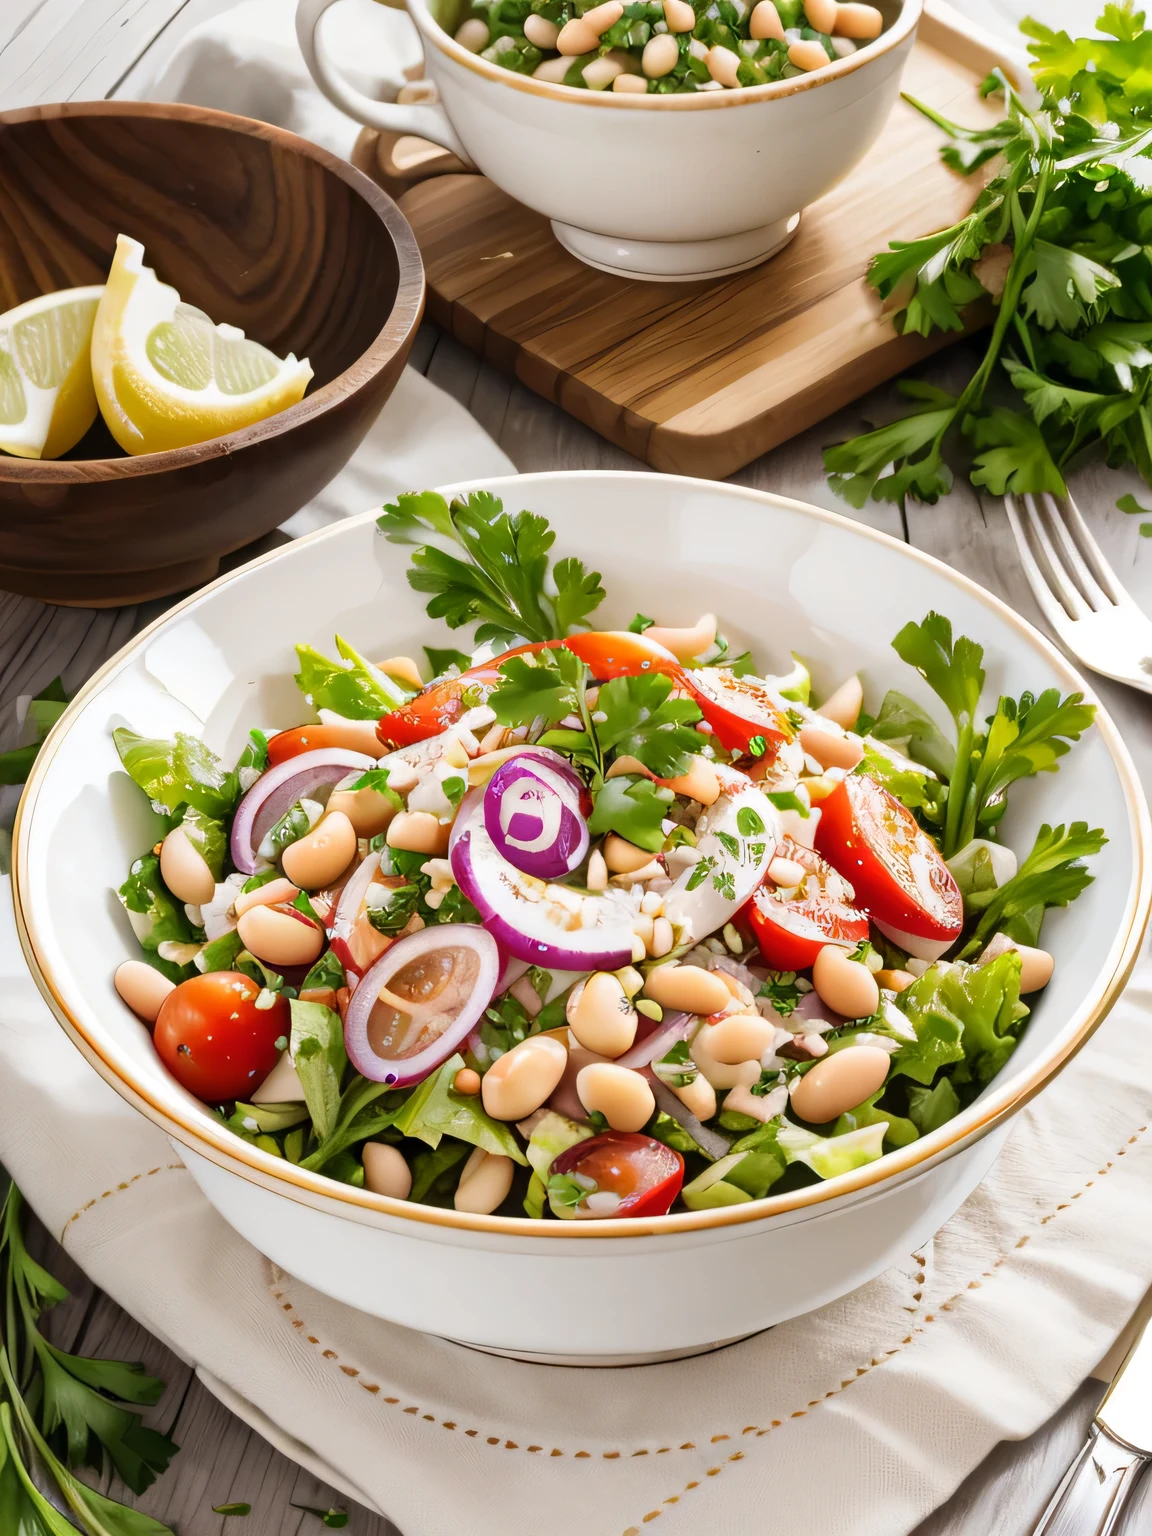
x: 258, y: 228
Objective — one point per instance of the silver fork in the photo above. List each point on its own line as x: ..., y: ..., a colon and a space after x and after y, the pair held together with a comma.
x: 1078, y: 591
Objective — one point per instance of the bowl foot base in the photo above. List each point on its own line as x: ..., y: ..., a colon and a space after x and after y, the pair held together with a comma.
x: 655, y: 1357
x: 676, y: 261
x: 112, y: 589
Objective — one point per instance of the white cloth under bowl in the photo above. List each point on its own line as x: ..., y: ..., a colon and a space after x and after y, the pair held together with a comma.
x: 857, y: 1419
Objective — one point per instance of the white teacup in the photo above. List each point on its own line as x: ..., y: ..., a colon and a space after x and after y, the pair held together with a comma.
x: 662, y: 187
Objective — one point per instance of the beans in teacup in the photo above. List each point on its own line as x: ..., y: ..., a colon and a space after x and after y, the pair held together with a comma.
x: 662, y: 47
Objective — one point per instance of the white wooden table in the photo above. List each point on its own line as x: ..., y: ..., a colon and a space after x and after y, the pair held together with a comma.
x: 83, y: 49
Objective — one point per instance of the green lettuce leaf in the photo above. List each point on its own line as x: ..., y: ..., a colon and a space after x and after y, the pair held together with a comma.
x: 351, y: 687
x: 962, y: 1014
x: 157, y: 917
x: 434, y: 1109
x: 177, y: 772
x: 831, y: 1155
x: 317, y: 1049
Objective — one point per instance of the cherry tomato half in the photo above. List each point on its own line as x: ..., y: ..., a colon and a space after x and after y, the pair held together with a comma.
x: 645, y: 1173
x: 791, y: 931
x: 215, y: 1041
x: 442, y: 703
x: 313, y: 738
x: 611, y: 653
x: 894, y: 867
x: 740, y: 709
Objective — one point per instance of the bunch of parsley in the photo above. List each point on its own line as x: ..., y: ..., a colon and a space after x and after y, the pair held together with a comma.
x: 59, y: 1410
x: 1062, y: 238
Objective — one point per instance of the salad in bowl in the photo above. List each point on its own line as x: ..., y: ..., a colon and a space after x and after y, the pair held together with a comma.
x: 593, y: 923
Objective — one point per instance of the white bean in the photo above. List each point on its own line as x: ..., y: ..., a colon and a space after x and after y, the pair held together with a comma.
x: 628, y: 85
x: 621, y: 856
x: 660, y: 55
x: 679, y: 16
x: 698, y: 1097
x: 473, y: 35
x: 807, y: 54
x: 828, y: 746
x: 700, y: 782
x: 848, y: 987
x: 786, y: 872
x: 143, y: 988
x: 839, y: 1082
x: 738, y: 1037
x: 685, y: 644
x: 821, y: 14
x: 385, y: 1171
x: 600, y: 1015
x: 844, y: 705
x: 723, y: 64
x: 862, y: 22
x: 721, y: 1074
x: 484, y: 1183
x: 280, y: 937
x: 183, y: 869
x: 552, y: 70
x: 418, y: 832
x: 765, y: 22
x: 622, y: 1096
x: 894, y: 981
x: 316, y: 859
x: 520, y: 1080
x: 540, y: 31
x: 600, y: 73
x: 367, y: 809
x: 686, y: 988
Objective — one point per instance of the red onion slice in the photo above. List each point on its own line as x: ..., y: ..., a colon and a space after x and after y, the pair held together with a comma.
x: 277, y: 791
x: 517, y: 909
x: 455, y: 964
x: 709, y: 1142
x: 657, y: 1044
x: 532, y: 815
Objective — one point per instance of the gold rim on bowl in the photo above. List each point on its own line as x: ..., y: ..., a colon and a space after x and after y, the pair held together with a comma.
x: 696, y: 101
x: 219, y: 1146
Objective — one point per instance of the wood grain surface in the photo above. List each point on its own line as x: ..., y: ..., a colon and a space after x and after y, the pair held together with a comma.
x: 259, y: 230
x: 700, y: 378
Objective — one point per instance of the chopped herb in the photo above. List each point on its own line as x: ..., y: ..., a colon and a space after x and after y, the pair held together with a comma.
x: 377, y: 779
x: 780, y: 988
x: 788, y: 800
x: 640, y: 623
x: 401, y: 908
x: 757, y: 746
x: 502, y: 582
x: 564, y: 1190
x: 748, y: 823
x: 237, y: 1510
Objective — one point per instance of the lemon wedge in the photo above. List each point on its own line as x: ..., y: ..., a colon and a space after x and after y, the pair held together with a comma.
x: 166, y: 376
x: 47, y: 402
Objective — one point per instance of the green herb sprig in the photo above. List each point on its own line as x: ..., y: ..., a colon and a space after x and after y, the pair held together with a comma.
x: 59, y: 1410
x: 1060, y: 240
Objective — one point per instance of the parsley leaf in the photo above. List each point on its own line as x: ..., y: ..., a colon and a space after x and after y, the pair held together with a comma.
x: 634, y: 808
x: 502, y: 581
x: 1012, y: 454
x: 643, y: 722
x: 780, y: 988
x: 1051, y: 876
x: 541, y: 686
x: 441, y: 660
x: 351, y: 687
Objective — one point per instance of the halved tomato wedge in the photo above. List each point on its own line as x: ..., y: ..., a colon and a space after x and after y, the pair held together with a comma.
x: 442, y: 703
x: 354, y: 735
x: 740, y: 710
x: 792, y: 930
x: 642, y: 1172
x: 619, y: 653
x: 893, y: 865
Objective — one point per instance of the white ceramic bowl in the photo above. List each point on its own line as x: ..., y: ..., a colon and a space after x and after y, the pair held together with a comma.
x: 783, y: 576
x: 663, y: 187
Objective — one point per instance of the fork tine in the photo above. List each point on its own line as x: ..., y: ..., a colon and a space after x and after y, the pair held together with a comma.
x: 1075, y: 561
x: 1093, y: 554
x: 1058, y: 581
x: 1052, y: 610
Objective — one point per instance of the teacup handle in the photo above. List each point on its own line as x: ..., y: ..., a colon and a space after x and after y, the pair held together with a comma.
x: 424, y: 120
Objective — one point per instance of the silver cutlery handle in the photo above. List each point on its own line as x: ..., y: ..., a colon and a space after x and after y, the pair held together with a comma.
x: 1091, y: 1498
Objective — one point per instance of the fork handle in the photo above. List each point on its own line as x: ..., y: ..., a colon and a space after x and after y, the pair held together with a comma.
x: 1094, y: 1491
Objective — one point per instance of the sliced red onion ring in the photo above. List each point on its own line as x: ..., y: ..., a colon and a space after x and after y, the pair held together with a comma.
x: 277, y: 791
x: 520, y: 914
x: 659, y: 1042
x: 532, y: 815
x: 432, y: 1032
x: 711, y: 1142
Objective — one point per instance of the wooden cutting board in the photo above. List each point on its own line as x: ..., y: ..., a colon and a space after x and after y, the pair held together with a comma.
x: 698, y: 378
